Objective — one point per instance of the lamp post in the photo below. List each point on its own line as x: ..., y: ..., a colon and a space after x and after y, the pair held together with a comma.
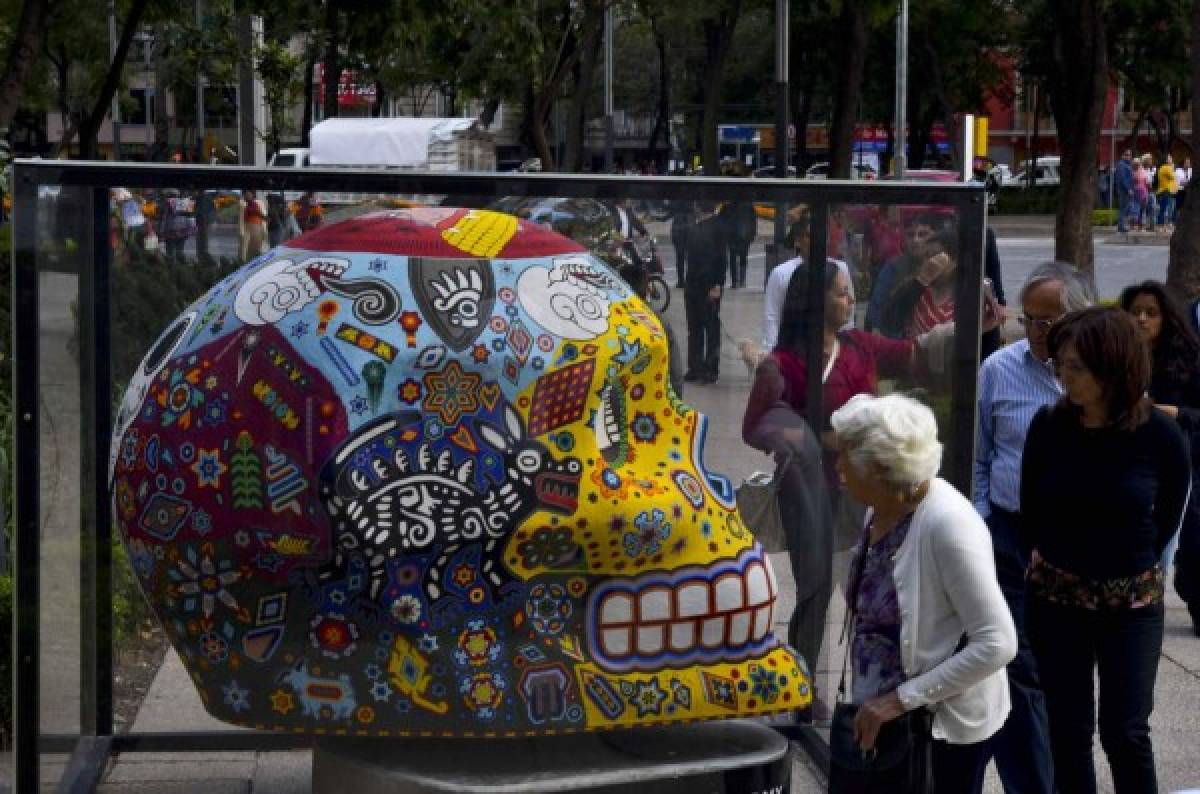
x: 609, y: 133
x: 783, y: 146
x: 901, y: 122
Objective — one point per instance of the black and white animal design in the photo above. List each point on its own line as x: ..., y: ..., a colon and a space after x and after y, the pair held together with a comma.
x: 385, y: 502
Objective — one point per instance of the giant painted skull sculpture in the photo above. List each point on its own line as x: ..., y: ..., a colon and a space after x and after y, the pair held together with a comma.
x: 422, y: 471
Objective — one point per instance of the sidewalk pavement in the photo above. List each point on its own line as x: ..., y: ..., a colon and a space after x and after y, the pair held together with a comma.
x: 172, y: 703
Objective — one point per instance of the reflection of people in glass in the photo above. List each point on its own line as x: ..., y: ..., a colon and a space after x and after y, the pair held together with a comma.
x: 852, y: 361
x: 919, y: 232
x: 931, y: 628
x: 1104, y: 483
x: 702, y: 294
x: 925, y: 297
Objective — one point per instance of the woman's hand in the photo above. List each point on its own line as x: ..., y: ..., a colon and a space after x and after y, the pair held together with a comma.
x: 872, y: 715
x: 1170, y: 410
x: 934, y: 268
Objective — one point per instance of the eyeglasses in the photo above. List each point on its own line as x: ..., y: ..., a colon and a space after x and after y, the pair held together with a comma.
x: 1034, y: 324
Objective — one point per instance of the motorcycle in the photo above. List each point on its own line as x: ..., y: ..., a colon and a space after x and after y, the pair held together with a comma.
x: 642, y: 251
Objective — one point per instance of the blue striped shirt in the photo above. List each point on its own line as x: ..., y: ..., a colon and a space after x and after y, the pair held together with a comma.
x: 1013, y: 385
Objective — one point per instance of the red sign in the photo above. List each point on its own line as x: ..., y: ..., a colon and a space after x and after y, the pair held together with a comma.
x: 351, y: 93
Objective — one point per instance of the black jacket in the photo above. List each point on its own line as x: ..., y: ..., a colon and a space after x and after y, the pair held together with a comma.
x: 707, y: 265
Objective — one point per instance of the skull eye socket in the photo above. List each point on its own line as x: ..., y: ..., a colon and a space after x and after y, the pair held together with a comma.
x: 529, y: 461
x: 589, y: 307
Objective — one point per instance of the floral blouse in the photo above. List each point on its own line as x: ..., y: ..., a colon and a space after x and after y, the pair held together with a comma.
x: 875, y: 648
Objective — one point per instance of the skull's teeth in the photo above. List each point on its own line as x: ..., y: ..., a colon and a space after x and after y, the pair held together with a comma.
x: 733, y: 610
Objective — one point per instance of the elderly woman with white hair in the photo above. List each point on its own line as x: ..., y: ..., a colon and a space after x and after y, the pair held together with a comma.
x: 931, y: 629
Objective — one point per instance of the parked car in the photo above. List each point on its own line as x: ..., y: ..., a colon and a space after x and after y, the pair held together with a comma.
x: 768, y: 172
x: 857, y: 171
x: 1045, y: 172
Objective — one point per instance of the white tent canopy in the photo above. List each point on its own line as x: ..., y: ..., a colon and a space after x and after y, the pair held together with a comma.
x: 392, y: 142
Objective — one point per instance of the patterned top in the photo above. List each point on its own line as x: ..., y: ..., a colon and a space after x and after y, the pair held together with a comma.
x: 875, y: 649
x: 930, y: 312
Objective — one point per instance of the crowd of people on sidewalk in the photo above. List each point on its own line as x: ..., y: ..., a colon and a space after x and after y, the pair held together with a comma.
x: 1149, y: 197
x: 170, y: 220
x: 994, y: 616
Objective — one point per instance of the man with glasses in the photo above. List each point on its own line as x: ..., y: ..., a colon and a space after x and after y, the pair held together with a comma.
x: 1014, y: 383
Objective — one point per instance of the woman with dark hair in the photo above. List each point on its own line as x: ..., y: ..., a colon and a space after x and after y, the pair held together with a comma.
x: 1104, y: 482
x: 776, y: 420
x: 1175, y: 389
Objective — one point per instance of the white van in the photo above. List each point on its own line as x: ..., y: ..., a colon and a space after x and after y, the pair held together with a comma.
x: 1045, y: 173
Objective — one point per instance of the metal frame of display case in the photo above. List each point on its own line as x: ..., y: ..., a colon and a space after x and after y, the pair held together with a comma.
x: 90, y: 750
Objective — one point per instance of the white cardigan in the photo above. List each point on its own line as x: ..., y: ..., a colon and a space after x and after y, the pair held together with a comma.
x: 946, y: 586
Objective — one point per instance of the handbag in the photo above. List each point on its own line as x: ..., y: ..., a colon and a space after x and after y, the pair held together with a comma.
x: 901, y: 760
x: 758, y: 503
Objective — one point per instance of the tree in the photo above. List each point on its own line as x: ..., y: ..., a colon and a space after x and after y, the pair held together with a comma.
x: 717, y: 28
x: 851, y: 61
x: 1183, y: 267
x: 23, y: 55
x: 1073, y: 55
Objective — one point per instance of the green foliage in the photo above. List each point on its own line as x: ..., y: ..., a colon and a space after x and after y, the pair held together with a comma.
x: 130, y: 610
x: 6, y: 648
x: 1041, y: 200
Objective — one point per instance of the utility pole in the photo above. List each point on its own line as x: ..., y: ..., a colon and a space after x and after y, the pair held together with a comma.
x: 114, y: 113
x: 201, y: 154
x: 901, y: 122
x: 609, y: 132
x: 783, y: 145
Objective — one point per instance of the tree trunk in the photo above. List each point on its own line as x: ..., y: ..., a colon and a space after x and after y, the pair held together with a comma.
x: 1032, y: 154
x: 585, y: 72
x: 1078, y: 87
x: 662, y: 114
x: 718, y: 36
x: 546, y: 94
x: 851, y: 62
x: 802, y: 105
x: 1183, y: 267
x: 162, y: 123
x: 22, y: 57
x: 332, y: 68
x: 89, y: 127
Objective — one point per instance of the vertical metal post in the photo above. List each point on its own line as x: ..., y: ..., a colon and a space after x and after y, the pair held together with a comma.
x: 901, y: 131
x: 115, y: 111
x: 818, y: 225
x: 27, y: 497
x: 609, y: 132
x: 968, y: 151
x: 245, y: 37
x: 95, y: 592
x: 968, y: 313
x: 783, y: 145
x: 201, y: 154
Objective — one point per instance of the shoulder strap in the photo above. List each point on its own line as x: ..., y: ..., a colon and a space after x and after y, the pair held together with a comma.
x: 852, y: 606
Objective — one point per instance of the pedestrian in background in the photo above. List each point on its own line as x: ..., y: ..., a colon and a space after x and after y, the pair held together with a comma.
x: 741, y: 226
x: 930, y: 629
x: 252, y: 225
x: 1124, y: 182
x: 707, y: 266
x: 1183, y: 176
x: 1175, y: 390
x: 1104, y: 483
x: 1141, y: 194
x: 1165, y: 190
x: 682, y: 218
x: 1150, y: 205
x: 1014, y: 384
